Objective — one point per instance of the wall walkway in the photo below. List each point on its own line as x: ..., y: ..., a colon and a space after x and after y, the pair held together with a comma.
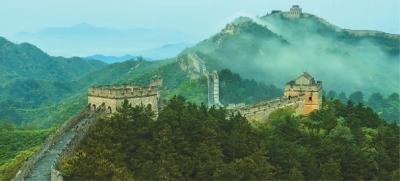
x: 40, y: 166
x: 260, y: 111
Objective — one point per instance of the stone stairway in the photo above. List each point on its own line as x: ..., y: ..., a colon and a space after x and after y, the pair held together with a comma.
x: 210, y: 91
x: 42, y: 169
x: 213, y: 90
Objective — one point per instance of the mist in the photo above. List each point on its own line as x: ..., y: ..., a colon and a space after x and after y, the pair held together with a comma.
x: 347, y: 64
x: 342, y: 66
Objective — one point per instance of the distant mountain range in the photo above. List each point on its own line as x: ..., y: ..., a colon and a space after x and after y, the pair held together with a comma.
x: 110, y: 59
x: 165, y: 51
x: 27, y: 61
x: 160, y: 53
x: 84, y: 39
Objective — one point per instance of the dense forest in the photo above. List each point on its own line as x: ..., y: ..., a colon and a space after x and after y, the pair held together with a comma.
x: 387, y: 108
x: 339, y: 142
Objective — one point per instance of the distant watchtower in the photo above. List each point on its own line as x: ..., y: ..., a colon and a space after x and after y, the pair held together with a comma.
x: 294, y: 12
x: 114, y: 96
x: 306, y: 85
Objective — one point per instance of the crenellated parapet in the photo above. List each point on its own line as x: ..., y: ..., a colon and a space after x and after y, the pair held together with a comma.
x: 260, y: 111
x: 122, y: 91
x: 303, y: 94
x: 295, y: 12
x: 47, y: 150
x: 311, y: 90
x: 293, y: 87
x: 113, y: 96
x: 80, y: 130
x: 229, y: 29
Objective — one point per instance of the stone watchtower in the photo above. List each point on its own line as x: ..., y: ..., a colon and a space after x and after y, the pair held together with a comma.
x: 305, y: 85
x: 294, y: 12
x: 114, y: 96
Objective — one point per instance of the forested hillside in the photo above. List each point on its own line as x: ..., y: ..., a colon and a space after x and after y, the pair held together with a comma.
x: 31, y: 79
x: 27, y: 61
x: 272, y: 56
x: 189, y: 142
x: 274, y: 49
x: 44, y: 101
x: 233, y: 89
x: 254, y: 57
x: 388, y: 108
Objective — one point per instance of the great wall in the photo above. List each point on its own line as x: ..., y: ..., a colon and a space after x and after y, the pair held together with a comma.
x: 113, y: 96
x: 303, y: 94
x: 213, y: 89
x: 296, y: 12
x: 42, y: 165
x: 260, y: 111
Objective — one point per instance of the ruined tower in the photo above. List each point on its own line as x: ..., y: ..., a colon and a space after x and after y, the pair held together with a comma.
x: 213, y: 89
x: 114, y: 96
x: 307, y: 86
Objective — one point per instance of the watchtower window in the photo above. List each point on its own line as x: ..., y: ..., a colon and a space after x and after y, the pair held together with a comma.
x: 94, y: 107
x: 290, y: 97
x: 149, y: 106
x: 310, y: 98
x: 109, y: 110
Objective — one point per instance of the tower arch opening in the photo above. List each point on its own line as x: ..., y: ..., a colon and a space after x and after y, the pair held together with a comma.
x: 115, y: 95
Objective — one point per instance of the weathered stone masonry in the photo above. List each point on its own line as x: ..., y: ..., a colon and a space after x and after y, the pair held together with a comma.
x: 81, y: 130
x: 114, y: 96
x: 38, y: 155
x: 303, y: 94
x: 307, y: 86
x: 261, y: 111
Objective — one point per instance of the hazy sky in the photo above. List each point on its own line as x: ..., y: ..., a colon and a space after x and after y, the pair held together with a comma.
x: 202, y: 17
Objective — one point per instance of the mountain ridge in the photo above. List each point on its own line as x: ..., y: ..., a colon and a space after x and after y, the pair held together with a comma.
x: 78, y: 38
x: 253, y: 49
x: 312, y: 46
x: 27, y: 60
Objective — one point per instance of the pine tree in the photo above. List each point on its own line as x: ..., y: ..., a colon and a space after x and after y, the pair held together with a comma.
x: 330, y: 170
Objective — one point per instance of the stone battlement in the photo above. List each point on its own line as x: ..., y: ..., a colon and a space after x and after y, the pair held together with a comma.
x: 260, y: 111
x: 307, y: 86
x: 122, y: 91
x: 81, y: 130
x: 44, y: 149
x: 303, y: 94
x: 295, y: 12
x: 114, y: 96
x: 292, y: 86
x: 229, y: 29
